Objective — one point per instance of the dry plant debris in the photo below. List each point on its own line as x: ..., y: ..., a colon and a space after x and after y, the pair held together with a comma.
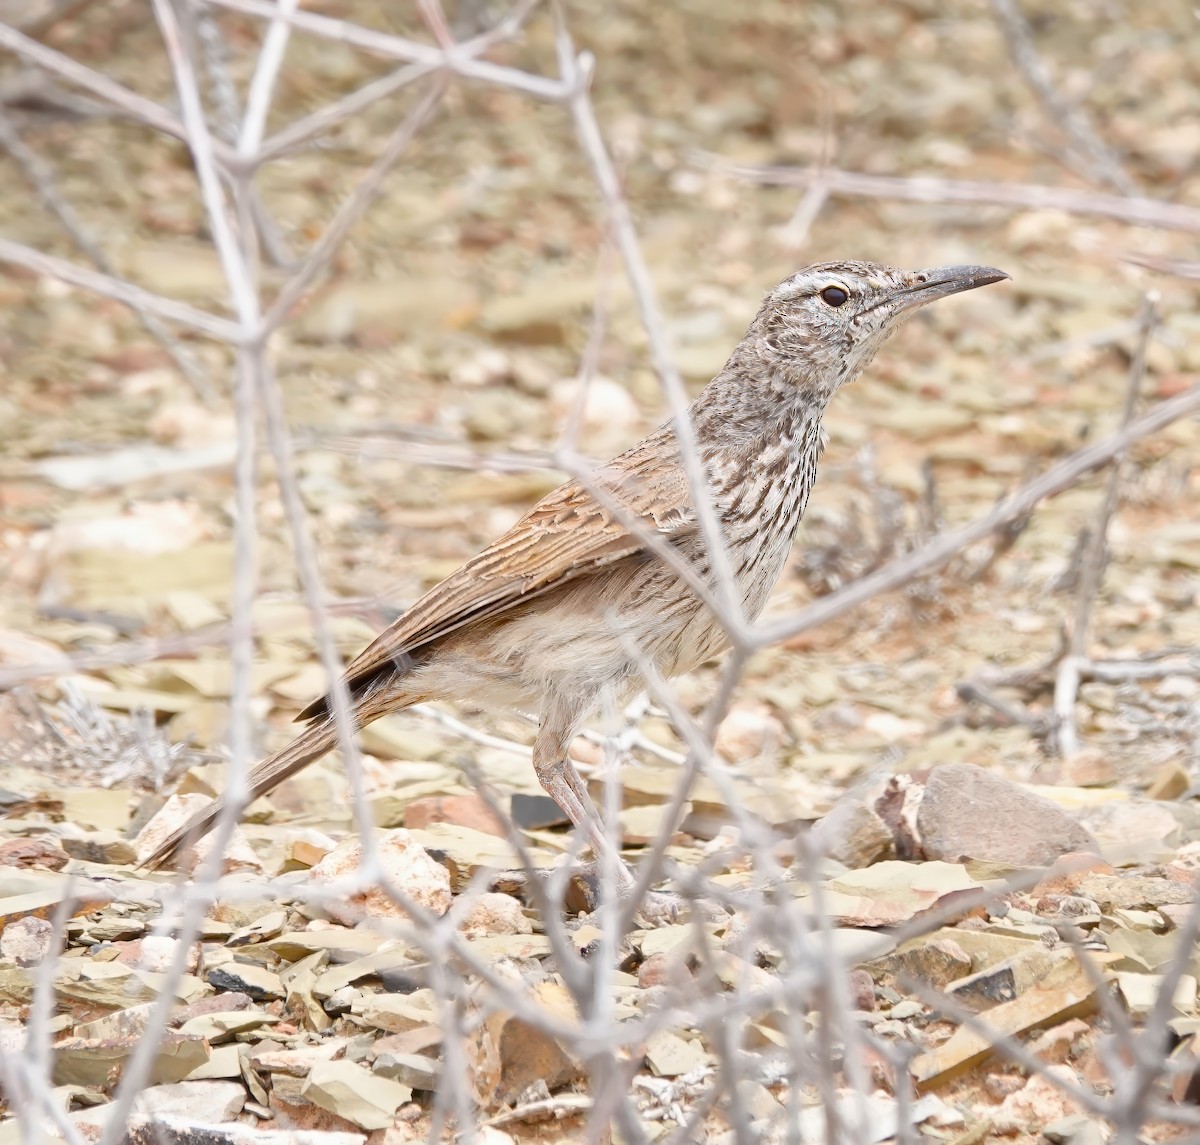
x: 287, y: 1017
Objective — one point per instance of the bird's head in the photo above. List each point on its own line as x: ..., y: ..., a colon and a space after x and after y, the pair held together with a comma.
x: 822, y: 326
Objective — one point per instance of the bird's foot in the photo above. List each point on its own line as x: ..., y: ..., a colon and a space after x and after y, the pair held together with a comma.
x: 661, y: 908
x: 654, y: 908
x: 586, y: 891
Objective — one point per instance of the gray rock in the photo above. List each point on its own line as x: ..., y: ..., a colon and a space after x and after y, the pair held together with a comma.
x: 969, y: 813
x: 414, y: 1070
x: 852, y: 832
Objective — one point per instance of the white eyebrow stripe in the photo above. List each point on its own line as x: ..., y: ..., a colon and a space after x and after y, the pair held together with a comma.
x: 791, y: 288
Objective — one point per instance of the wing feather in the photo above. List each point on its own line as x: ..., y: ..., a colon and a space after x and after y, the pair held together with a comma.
x: 565, y: 535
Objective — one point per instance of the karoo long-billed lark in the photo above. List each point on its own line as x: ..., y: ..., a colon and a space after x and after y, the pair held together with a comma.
x: 557, y: 613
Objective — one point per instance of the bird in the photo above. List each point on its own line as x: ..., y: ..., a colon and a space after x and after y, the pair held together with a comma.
x: 561, y: 613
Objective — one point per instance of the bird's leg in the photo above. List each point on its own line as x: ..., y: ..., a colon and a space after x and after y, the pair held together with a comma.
x: 563, y: 784
x: 558, y: 777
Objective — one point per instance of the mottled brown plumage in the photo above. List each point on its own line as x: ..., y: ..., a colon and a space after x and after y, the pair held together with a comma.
x: 558, y: 612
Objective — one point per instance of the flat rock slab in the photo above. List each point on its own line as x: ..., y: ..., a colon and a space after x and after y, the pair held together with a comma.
x: 969, y: 813
x: 210, y: 1102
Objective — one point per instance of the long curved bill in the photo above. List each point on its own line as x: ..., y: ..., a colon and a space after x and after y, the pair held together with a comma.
x: 938, y: 282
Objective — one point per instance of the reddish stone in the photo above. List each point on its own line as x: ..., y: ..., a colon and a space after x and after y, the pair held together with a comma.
x: 862, y: 990
x: 1059, y: 1043
x: 664, y: 969
x: 882, y: 1069
x: 1068, y: 871
x: 32, y: 853
x: 460, y: 810
x: 1169, y: 385
x: 214, y: 1004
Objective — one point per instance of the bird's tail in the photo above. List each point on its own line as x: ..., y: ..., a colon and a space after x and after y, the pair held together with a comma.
x: 312, y: 743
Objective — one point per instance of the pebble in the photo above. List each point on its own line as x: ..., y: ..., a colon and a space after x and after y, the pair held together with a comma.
x: 26, y: 941
x: 407, y: 867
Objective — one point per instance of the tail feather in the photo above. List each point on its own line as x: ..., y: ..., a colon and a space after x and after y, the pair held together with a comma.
x: 309, y: 745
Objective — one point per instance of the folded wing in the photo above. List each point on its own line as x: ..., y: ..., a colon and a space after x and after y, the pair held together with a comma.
x: 571, y: 531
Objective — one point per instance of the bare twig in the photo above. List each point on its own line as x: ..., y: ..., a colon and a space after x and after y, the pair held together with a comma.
x: 245, y: 579
x: 1152, y: 668
x: 295, y: 134
x: 1136, y: 211
x: 32, y: 90
x: 202, y: 144
x: 133, y: 296
x: 1093, y: 340
x: 1180, y: 268
x: 823, y: 1050
x: 399, y: 48
x: 1092, y: 571
x: 575, y: 72
x: 137, y: 107
x: 215, y: 53
x: 39, y: 174
x: 1099, y: 163
x: 972, y: 691
x: 561, y: 1105
x: 1060, y: 477
x: 354, y: 206
x: 795, y: 231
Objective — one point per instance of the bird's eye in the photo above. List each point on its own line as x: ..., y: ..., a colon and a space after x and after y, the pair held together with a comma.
x: 834, y: 296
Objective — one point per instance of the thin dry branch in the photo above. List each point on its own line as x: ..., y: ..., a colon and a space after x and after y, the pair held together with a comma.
x: 458, y: 60
x: 1055, y: 480
x: 811, y: 978
x: 1134, y: 210
x: 1093, y: 340
x: 1096, y: 559
x: 37, y: 171
x: 135, y: 297
x: 296, y: 134
x: 575, y: 71
x: 1180, y: 268
x: 32, y: 90
x: 137, y: 107
x: 354, y: 206
x: 235, y: 261
x: 796, y: 230
x: 1097, y: 160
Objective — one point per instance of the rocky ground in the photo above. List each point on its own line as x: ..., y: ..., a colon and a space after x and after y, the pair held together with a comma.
x: 426, y: 379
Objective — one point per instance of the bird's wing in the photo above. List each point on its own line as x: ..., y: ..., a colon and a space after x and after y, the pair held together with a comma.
x: 566, y: 534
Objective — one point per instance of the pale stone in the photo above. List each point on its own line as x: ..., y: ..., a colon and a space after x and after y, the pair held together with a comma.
x: 967, y: 812
x: 208, y: 1101
x: 408, y: 867
x: 607, y: 406
x: 493, y: 913
x: 26, y: 941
